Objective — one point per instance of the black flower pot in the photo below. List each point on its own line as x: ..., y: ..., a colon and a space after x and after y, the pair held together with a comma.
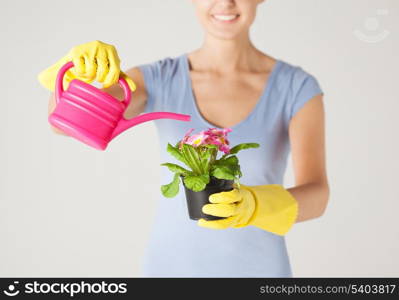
x: 196, y: 200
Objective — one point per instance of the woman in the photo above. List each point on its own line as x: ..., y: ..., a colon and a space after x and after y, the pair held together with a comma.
x: 226, y: 83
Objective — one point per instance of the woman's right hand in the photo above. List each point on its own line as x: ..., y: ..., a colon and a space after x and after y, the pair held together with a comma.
x: 92, y: 61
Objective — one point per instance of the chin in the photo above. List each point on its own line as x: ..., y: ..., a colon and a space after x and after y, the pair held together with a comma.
x: 225, y: 31
x: 224, y: 35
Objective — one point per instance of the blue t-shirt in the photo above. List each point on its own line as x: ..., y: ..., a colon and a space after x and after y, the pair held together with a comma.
x: 178, y: 247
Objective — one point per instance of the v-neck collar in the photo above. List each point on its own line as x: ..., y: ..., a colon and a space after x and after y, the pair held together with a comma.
x: 263, y: 97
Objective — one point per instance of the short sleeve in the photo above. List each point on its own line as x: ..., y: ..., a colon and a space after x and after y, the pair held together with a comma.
x: 304, y: 87
x: 155, y: 75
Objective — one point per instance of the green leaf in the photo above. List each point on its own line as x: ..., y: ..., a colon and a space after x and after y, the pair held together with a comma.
x: 170, y: 190
x: 223, y: 172
x: 231, y: 163
x: 205, y: 178
x: 237, y: 172
x: 243, y: 146
x: 208, y: 154
x: 176, y: 168
x: 227, y: 161
x: 175, y: 152
x: 204, y: 153
x: 196, y: 183
x: 193, y: 158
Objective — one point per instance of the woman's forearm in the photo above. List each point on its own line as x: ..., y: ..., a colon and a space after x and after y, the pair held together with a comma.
x: 312, y: 199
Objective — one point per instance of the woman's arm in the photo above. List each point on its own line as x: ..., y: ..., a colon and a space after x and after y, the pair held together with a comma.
x: 307, y: 138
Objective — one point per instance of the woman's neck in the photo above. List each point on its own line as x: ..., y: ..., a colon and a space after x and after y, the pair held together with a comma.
x: 224, y: 56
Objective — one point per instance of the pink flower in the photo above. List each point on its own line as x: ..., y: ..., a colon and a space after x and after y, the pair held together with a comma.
x: 197, y: 139
x: 212, y: 136
x: 219, y: 137
x: 185, y: 138
x: 218, y: 132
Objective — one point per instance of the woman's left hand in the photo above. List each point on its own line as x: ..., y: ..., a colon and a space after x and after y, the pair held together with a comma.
x: 237, y: 206
x: 270, y: 207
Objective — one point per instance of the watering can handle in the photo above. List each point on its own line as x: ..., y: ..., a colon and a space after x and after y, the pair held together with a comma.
x: 59, y: 88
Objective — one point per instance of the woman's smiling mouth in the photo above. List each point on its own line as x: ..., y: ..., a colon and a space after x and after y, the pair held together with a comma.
x: 225, y: 18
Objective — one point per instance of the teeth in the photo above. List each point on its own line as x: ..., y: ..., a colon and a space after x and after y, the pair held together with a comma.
x: 225, y: 17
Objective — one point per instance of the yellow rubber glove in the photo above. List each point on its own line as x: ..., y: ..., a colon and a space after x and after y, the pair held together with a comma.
x: 92, y: 61
x: 270, y: 207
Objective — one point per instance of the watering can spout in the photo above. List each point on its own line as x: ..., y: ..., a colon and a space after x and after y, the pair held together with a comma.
x: 125, y: 124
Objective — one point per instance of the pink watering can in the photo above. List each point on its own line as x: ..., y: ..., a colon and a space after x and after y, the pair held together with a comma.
x: 93, y: 116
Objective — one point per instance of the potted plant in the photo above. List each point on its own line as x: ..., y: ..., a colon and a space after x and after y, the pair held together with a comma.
x: 206, y: 174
